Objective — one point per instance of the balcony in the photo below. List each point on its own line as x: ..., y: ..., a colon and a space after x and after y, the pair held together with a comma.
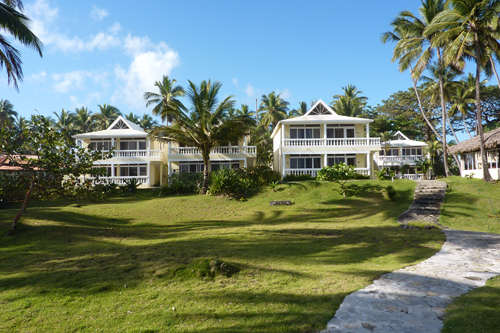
x: 313, y: 172
x: 215, y: 150
x: 136, y: 153
x: 143, y: 180
x: 331, y: 142
x: 399, y: 159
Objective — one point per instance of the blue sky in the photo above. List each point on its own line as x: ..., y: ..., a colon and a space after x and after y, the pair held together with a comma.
x: 114, y: 51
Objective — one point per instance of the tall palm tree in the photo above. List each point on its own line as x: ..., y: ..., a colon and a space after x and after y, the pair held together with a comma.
x: 302, y: 110
x: 7, y: 113
x: 107, y: 114
x: 83, y: 121
x: 418, y: 46
x: 166, y: 101
x: 275, y: 109
x: 203, y: 125
x: 231, y: 114
x: 245, y: 111
x: 469, y: 31
x: 20, y: 124
x: 15, y: 23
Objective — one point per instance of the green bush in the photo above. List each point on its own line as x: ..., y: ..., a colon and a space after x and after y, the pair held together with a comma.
x: 186, y: 182
x: 228, y: 182
x: 339, y: 173
x: 261, y: 175
x: 298, y: 178
x: 381, y: 174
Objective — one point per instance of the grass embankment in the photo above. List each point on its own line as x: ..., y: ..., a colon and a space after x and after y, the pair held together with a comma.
x: 473, y: 205
x: 125, y: 265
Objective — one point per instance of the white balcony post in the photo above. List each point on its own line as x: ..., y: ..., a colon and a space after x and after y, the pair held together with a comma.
x: 324, y: 132
x: 284, y: 164
x: 325, y: 160
x: 169, y: 167
x: 112, y: 142
x: 369, y: 164
x: 245, y: 163
x: 161, y: 173
x: 112, y: 170
x: 148, y: 172
x: 149, y: 147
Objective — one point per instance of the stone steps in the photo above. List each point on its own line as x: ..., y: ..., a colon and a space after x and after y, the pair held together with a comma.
x: 427, y: 200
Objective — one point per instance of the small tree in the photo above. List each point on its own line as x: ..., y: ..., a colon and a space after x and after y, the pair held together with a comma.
x: 339, y: 173
x: 48, y: 165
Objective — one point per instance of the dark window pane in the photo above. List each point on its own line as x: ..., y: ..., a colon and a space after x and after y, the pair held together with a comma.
x: 382, y: 153
x: 395, y: 152
x: 316, y: 133
x: 309, y: 133
x: 293, y: 163
x: 143, y: 171
x: 300, y: 163
x: 339, y: 133
x: 351, y: 161
x: 123, y: 171
x: 142, y: 145
x: 192, y: 167
x: 309, y: 163
x: 300, y: 134
x: 350, y: 132
x: 317, y: 163
x: 132, y: 145
x: 419, y: 151
x: 329, y: 133
x: 215, y: 167
x: 132, y: 171
x: 293, y: 133
x: 124, y: 145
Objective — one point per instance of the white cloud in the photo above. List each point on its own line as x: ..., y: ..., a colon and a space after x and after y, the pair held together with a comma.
x: 115, y: 28
x: 43, y: 17
x: 89, y: 99
x: 39, y: 77
x: 98, y: 14
x: 146, y: 68
x: 235, y: 82
x: 285, y: 93
x: 69, y: 81
x: 250, y: 91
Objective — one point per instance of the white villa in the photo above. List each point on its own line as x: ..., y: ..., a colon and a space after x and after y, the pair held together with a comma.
x: 149, y: 160
x: 402, y: 151
x: 320, y: 138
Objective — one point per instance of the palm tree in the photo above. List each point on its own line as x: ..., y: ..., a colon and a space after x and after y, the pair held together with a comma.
x: 20, y: 124
x: 147, y: 122
x: 83, y: 121
x: 107, y: 114
x: 245, y: 111
x: 203, y: 126
x: 350, y: 103
x: 302, y: 110
x: 469, y: 30
x: 433, y: 149
x: 64, y: 123
x: 166, y: 101
x: 133, y: 118
x: 7, y: 113
x: 230, y: 114
x: 17, y: 24
x: 461, y: 100
x: 275, y: 109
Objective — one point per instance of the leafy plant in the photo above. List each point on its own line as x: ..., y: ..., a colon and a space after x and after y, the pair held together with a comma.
x: 131, y: 184
x: 339, y: 173
x: 272, y: 185
x: 297, y: 178
x: 381, y: 173
x: 227, y: 182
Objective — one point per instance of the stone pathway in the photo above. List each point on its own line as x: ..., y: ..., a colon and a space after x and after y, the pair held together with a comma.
x: 427, y: 200
x: 413, y: 299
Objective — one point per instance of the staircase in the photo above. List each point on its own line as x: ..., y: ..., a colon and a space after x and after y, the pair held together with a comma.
x: 427, y: 199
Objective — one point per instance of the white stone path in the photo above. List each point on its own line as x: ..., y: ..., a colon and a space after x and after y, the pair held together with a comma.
x: 413, y: 299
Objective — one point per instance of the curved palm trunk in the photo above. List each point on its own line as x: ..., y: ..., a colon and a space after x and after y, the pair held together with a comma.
x: 23, y: 208
x: 206, y: 159
x: 444, y: 113
x: 465, y: 125
x: 479, y: 117
x: 495, y: 71
x: 452, y: 131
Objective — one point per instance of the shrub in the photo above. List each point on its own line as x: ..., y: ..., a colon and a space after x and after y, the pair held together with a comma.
x: 381, y: 174
x: 228, y: 182
x: 186, y: 182
x: 261, y: 175
x: 298, y: 178
x: 339, y: 173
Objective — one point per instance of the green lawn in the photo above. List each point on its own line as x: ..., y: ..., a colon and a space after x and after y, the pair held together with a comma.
x: 127, y: 264
x: 473, y: 205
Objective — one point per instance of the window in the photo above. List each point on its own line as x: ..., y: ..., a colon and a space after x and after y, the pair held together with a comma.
x: 100, y: 144
x: 339, y: 132
x: 308, y: 132
x: 336, y: 159
x: 411, y: 151
x: 218, y: 165
x: 132, y: 145
x: 392, y: 152
x: 133, y: 170
x: 191, y: 167
x: 305, y: 162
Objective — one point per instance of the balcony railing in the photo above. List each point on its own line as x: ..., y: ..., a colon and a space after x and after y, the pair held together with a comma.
x: 215, y: 150
x: 406, y: 158
x: 136, y: 153
x: 331, y: 142
x: 119, y: 180
x: 313, y: 172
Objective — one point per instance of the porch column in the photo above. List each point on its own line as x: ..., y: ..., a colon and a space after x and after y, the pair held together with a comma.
x: 369, y: 164
x: 112, y: 169
x: 112, y: 142
x: 283, y: 165
x: 324, y: 132
x: 169, y: 166
x: 162, y: 165
x: 245, y: 163
x: 148, y: 172
x: 367, y: 130
x: 149, y: 147
x: 325, y: 159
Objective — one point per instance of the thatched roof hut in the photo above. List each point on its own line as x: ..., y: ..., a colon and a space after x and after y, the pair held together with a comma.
x: 491, y: 141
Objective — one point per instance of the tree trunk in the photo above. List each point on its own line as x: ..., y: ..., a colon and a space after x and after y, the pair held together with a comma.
x: 465, y: 125
x: 444, y: 114
x: 479, y: 116
x: 494, y: 70
x: 452, y: 131
x: 21, y: 212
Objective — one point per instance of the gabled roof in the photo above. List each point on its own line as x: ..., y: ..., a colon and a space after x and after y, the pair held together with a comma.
x: 321, y: 113
x: 120, y: 128
x: 491, y: 141
x: 403, y: 141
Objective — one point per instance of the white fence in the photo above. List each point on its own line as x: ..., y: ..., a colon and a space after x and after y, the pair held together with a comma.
x: 313, y: 172
x: 400, y: 159
x: 331, y: 142
x: 119, y: 180
x: 215, y: 150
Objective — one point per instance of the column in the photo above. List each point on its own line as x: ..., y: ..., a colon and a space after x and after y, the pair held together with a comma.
x: 367, y: 131
x: 169, y: 166
x: 245, y: 163
x: 369, y: 164
x: 149, y: 172
x: 162, y: 165
x: 148, y: 142
x: 112, y: 142
x: 284, y: 165
x: 325, y: 160
x: 112, y: 170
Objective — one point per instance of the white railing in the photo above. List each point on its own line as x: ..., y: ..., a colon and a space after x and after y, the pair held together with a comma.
x: 417, y: 176
x: 331, y: 142
x: 407, y: 158
x: 215, y: 150
x: 137, y: 153
x: 119, y: 180
x: 313, y: 172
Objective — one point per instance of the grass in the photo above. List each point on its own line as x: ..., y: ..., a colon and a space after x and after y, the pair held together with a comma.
x: 473, y: 205
x: 127, y: 264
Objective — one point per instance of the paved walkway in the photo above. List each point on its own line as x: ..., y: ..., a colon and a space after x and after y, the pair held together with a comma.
x: 413, y: 299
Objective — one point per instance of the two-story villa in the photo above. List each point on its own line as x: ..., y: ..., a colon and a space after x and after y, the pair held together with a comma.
x: 399, y: 152
x: 149, y: 160
x: 321, y: 137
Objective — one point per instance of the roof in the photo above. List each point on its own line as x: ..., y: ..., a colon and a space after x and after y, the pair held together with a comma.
x: 121, y: 128
x: 403, y: 141
x: 491, y: 141
x: 6, y: 166
x: 321, y: 113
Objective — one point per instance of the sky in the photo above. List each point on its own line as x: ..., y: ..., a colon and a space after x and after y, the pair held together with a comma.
x: 114, y: 51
